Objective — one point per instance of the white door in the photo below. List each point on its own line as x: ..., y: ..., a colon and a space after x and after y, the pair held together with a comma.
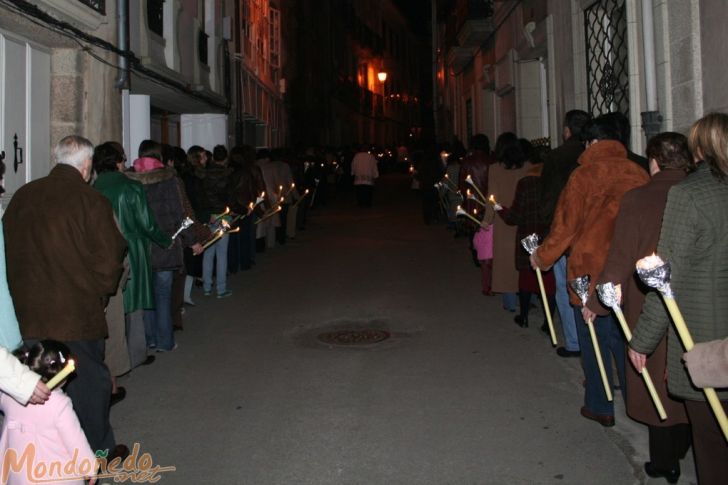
x: 24, y: 111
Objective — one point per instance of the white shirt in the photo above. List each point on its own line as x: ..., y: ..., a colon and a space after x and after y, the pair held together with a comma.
x: 364, y: 168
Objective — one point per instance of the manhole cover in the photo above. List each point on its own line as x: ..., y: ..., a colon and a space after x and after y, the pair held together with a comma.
x: 354, y: 337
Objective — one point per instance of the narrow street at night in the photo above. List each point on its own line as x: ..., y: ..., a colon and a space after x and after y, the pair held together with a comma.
x: 458, y: 394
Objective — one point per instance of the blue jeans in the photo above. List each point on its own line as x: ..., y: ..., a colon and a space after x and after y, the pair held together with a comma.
x: 217, y: 253
x: 566, y: 312
x: 158, y: 322
x: 509, y: 301
x: 612, y: 343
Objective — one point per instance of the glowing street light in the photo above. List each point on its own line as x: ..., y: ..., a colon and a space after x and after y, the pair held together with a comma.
x: 382, y: 76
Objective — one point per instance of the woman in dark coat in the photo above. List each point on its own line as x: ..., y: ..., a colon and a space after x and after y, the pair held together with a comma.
x: 246, y: 183
x: 524, y: 213
x: 636, y: 234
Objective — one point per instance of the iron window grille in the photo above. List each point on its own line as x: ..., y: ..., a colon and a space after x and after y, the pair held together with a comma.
x: 98, y: 5
x: 607, y: 73
x: 202, y: 46
x: 155, y: 16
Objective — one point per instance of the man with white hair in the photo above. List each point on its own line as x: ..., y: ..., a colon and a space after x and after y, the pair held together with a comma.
x: 64, y: 258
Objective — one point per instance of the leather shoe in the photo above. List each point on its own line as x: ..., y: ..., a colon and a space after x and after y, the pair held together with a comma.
x: 149, y: 360
x: 118, y: 451
x: 604, y: 419
x: 521, y: 321
x: 118, y: 396
x: 671, y: 476
x: 562, y: 352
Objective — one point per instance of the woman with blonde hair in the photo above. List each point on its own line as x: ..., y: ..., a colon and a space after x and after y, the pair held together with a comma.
x: 694, y: 231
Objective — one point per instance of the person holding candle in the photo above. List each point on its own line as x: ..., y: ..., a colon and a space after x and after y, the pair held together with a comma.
x: 583, y: 223
x: 475, y: 165
x: 636, y: 232
x: 692, y: 240
x: 191, y: 173
x: 62, y: 268
x: 523, y: 213
x: 246, y: 182
x: 283, y: 179
x: 214, y: 201
x: 53, y: 430
x: 165, y: 195
x: 266, y: 229
x: 557, y: 167
x: 513, y: 164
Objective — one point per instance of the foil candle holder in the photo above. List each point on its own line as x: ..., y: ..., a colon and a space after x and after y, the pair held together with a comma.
x: 580, y: 286
x: 611, y: 296
x: 530, y: 244
x: 186, y: 222
x: 656, y: 273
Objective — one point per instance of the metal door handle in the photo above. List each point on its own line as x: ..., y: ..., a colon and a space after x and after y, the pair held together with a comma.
x: 18, y: 150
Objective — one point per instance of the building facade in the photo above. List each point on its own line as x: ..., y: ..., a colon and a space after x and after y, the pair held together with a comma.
x: 183, y: 72
x: 519, y: 65
x: 361, y: 75
x: 259, y: 77
x: 57, y: 77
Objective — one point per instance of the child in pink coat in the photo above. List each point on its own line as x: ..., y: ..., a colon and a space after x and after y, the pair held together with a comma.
x: 46, y: 441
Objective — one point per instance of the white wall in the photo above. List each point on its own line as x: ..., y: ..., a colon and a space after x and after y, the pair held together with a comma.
x: 138, y: 124
x: 205, y: 130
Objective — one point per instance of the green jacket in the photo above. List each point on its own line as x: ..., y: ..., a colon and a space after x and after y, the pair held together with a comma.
x: 139, y: 228
x: 693, y: 240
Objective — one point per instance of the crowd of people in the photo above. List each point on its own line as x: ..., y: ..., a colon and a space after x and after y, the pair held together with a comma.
x: 103, y: 258
x: 597, y: 209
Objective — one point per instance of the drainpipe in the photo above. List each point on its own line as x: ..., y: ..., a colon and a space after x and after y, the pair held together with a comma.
x: 651, y: 119
x: 122, y: 13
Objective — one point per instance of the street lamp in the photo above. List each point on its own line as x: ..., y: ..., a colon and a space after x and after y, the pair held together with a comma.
x: 382, y: 76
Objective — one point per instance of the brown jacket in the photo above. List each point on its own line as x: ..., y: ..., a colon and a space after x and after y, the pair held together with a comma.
x: 502, y: 185
x: 587, y: 208
x: 64, y: 254
x: 636, y: 233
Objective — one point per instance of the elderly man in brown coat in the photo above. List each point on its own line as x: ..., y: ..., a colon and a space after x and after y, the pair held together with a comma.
x: 64, y: 258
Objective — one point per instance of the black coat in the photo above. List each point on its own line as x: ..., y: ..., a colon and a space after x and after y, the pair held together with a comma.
x: 557, y: 168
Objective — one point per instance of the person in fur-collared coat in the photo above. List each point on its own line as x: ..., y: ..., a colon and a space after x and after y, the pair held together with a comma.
x: 584, y: 223
x: 169, y: 205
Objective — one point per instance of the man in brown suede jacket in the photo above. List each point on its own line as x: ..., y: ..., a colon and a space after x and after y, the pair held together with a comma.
x: 583, y: 224
x: 64, y: 256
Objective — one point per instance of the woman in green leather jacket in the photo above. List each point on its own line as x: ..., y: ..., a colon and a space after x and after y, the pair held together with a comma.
x: 140, y: 229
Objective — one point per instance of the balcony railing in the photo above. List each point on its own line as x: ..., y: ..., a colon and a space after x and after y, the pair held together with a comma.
x: 473, y: 24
